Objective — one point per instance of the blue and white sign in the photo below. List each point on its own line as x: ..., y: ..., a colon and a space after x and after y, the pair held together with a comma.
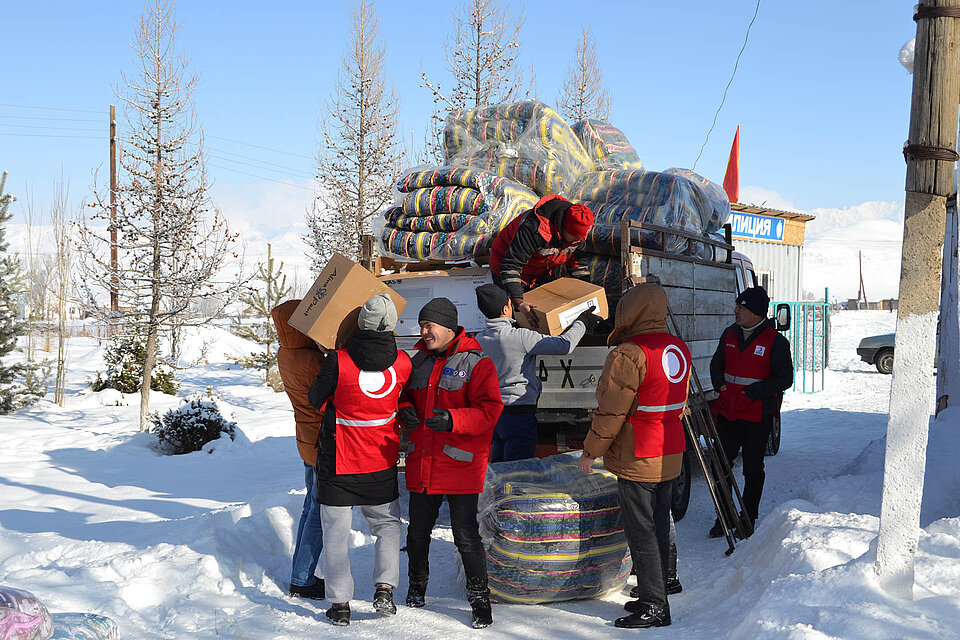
x: 754, y: 227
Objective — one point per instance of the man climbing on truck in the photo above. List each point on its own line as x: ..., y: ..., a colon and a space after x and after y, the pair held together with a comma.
x: 530, y: 250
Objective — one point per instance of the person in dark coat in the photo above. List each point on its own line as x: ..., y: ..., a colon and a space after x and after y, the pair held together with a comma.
x: 751, y: 369
x: 451, y: 404
x: 358, y: 454
x: 299, y: 361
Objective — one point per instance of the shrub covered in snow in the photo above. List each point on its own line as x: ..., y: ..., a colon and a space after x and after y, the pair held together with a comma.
x: 190, y: 426
x: 125, y: 356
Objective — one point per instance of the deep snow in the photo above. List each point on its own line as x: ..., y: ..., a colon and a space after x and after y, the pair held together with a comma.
x: 199, y: 546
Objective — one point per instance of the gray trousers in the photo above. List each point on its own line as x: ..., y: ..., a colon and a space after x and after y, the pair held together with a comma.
x: 384, y: 523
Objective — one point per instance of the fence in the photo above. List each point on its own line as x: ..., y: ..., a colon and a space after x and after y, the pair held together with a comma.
x: 809, y: 337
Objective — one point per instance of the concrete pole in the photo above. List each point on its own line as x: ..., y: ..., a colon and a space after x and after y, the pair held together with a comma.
x: 930, y: 155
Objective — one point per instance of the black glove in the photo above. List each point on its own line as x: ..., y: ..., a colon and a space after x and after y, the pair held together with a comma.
x: 408, y: 417
x: 589, y: 319
x: 441, y: 421
x: 752, y: 391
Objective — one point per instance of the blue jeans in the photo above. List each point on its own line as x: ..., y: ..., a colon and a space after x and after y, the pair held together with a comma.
x: 306, y: 553
x: 514, y: 437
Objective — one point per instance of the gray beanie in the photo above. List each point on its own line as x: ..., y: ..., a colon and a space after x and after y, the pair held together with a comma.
x: 378, y: 314
x: 440, y: 311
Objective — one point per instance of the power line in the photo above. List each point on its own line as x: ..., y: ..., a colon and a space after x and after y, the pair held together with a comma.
x: 732, y: 75
x: 48, y: 135
x: 298, y: 155
x: 257, y: 166
x: 50, y: 118
x: 252, y: 175
x: 38, y: 126
x: 29, y: 106
x: 266, y: 164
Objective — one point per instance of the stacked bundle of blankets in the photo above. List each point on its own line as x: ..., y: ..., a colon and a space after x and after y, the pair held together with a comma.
x: 24, y: 617
x: 501, y: 159
x: 550, y: 532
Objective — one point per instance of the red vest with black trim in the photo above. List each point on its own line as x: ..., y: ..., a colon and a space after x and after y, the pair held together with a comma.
x: 657, y: 429
x: 741, y: 369
x: 542, y: 263
x: 368, y: 436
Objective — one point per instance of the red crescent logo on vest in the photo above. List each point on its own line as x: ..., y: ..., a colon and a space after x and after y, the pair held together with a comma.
x: 674, y: 363
x: 374, y: 384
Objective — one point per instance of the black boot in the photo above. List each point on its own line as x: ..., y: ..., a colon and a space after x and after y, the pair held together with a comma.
x: 383, y: 600
x: 339, y: 614
x: 478, y: 595
x: 716, y: 531
x: 651, y: 615
x: 416, y: 594
x: 673, y: 582
x: 315, y: 591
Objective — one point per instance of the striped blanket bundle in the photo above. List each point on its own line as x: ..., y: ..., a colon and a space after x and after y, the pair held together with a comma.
x: 24, y: 617
x: 550, y: 532
x: 607, y: 146
x: 449, y: 213
x: 527, y: 141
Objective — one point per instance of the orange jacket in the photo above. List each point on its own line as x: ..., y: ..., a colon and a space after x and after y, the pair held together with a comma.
x: 299, y: 361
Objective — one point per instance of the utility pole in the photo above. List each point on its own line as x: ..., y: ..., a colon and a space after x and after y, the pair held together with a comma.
x: 114, y: 281
x: 863, y: 290
x: 930, y: 154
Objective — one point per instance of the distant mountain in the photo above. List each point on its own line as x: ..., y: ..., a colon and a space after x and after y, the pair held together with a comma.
x: 833, y: 219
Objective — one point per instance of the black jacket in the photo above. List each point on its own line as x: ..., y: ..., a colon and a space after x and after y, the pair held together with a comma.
x: 370, y: 351
x: 781, y: 369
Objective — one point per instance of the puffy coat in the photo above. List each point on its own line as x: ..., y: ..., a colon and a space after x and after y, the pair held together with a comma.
x: 526, y: 252
x: 299, y: 361
x: 464, y: 381
x: 643, y: 309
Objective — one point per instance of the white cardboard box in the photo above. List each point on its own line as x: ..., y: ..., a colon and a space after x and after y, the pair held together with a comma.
x: 459, y: 285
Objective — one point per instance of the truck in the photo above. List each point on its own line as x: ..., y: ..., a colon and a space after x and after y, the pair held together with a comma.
x: 702, y: 284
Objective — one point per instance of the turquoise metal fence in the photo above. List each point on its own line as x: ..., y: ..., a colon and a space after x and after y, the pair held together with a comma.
x: 809, y: 337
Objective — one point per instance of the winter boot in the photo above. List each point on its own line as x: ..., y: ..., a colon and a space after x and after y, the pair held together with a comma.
x: 339, y: 614
x: 651, y: 615
x: 315, y: 591
x: 383, y: 600
x: 673, y: 582
x: 478, y: 595
x: 416, y: 594
x: 717, y: 530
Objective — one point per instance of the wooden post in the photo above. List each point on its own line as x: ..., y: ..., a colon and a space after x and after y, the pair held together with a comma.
x: 366, y: 253
x: 930, y: 155
x: 114, y: 279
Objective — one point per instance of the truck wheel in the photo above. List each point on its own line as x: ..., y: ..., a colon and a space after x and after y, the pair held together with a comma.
x: 773, y: 442
x: 681, y: 490
x: 884, y: 361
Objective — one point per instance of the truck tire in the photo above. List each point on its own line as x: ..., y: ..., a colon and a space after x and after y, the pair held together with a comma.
x: 773, y: 442
x: 681, y: 489
x: 884, y: 361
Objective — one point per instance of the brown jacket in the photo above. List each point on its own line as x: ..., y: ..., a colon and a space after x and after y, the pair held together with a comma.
x: 643, y: 309
x: 299, y: 360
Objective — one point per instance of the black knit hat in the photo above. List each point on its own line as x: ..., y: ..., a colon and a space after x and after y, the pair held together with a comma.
x: 440, y: 311
x: 491, y: 300
x: 756, y: 300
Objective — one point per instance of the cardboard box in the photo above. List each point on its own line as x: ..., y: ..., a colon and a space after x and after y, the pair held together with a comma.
x: 459, y: 285
x: 329, y: 311
x: 560, y: 302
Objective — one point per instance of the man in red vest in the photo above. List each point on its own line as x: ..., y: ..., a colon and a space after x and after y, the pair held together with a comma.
x: 751, y: 369
x: 358, y: 453
x: 451, y: 403
x: 530, y: 250
x: 637, y: 431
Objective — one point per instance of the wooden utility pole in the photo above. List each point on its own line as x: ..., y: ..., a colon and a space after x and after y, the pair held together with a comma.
x: 863, y: 290
x: 930, y: 154
x: 114, y: 281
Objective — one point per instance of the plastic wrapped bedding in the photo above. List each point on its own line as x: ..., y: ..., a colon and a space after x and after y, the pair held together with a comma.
x: 550, y: 532
x: 449, y: 213
x: 24, y: 617
x: 606, y: 145
x: 526, y: 141
x: 84, y: 626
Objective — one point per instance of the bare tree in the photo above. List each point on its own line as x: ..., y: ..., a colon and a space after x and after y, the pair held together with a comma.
x: 61, y: 282
x: 481, y: 56
x: 360, y: 146
x: 584, y: 93
x: 173, y: 253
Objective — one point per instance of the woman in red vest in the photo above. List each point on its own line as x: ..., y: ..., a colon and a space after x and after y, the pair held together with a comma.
x: 751, y: 369
x: 358, y: 454
x: 637, y: 431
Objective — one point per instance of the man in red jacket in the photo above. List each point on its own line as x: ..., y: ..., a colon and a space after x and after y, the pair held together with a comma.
x: 530, y: 250
x: 451, y: 403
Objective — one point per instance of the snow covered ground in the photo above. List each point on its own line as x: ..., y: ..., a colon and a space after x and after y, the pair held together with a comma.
x: 199, y: 546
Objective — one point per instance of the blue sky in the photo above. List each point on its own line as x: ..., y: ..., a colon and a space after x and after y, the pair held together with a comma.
x: 821, y: 100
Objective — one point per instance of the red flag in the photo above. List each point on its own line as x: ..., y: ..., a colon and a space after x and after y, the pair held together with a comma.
x: 731, y: 179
